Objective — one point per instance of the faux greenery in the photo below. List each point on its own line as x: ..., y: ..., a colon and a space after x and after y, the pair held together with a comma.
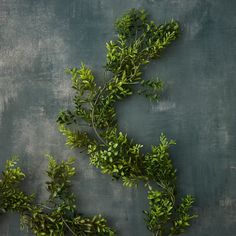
x: 92, y: 124
x: 58, y: 215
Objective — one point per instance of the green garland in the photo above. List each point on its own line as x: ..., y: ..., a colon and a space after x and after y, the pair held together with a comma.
x: 92, y: 124
x: 57, y: 216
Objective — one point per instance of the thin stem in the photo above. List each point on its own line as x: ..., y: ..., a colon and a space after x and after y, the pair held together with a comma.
x: 94, y: 128
x: 167, y: 190
x: 61, y: 218
x: 93, y: 108
x: 83, y: 150
x: 68, y: 226
x: 49, y: 208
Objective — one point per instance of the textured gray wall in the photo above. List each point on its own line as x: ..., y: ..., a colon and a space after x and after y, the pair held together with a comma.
x: 40, y: 38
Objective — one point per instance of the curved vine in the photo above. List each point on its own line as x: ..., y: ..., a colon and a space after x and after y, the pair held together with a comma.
x: 58, y: 215
x: 92, y: 124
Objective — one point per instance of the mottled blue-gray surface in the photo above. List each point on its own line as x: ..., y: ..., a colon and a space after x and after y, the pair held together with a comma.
x: 40, y: 38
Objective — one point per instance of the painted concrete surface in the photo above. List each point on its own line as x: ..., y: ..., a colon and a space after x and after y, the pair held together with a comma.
x: 39, y: 39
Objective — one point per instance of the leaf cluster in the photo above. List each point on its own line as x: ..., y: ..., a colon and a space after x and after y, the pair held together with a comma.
x: 58, y: 215
x: 164, y: 218
x: 92, y: 123
x: 121, y: 158
x: 151, y: 89
x: 12, y: 198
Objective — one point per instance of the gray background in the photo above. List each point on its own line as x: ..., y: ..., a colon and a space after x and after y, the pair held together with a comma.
x: 40, y: 38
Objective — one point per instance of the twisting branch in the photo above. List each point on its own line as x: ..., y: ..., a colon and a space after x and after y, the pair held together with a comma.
x: 139, y: 40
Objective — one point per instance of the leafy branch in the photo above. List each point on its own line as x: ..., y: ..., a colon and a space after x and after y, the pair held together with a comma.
x: 139, y: 40
x: 58, y: 215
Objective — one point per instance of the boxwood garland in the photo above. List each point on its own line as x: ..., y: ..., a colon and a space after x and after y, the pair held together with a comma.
x: 58, y: 215
x: 92, y: 124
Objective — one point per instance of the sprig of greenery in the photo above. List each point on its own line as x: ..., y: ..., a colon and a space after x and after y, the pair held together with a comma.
x: 183, y: 216
x: 163, y: 213
x: 12, y: 198
x: 92, y: 124
x: 151, y: 89
x: 121, y: 158
x: 161, y: 209
x: 57, y: 216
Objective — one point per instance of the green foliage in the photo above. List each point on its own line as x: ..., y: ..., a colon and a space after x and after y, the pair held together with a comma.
x: 161, y: 209
x: 182, y: 220
x: 120, y: 158
x: 58, y: 215
x: 151, y: 89
x: 92, y: 123
x: 11, y: 196
x: 158, y: 165
x: 130, y: 23
x: 59, y: 174
x: 76, y: 139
